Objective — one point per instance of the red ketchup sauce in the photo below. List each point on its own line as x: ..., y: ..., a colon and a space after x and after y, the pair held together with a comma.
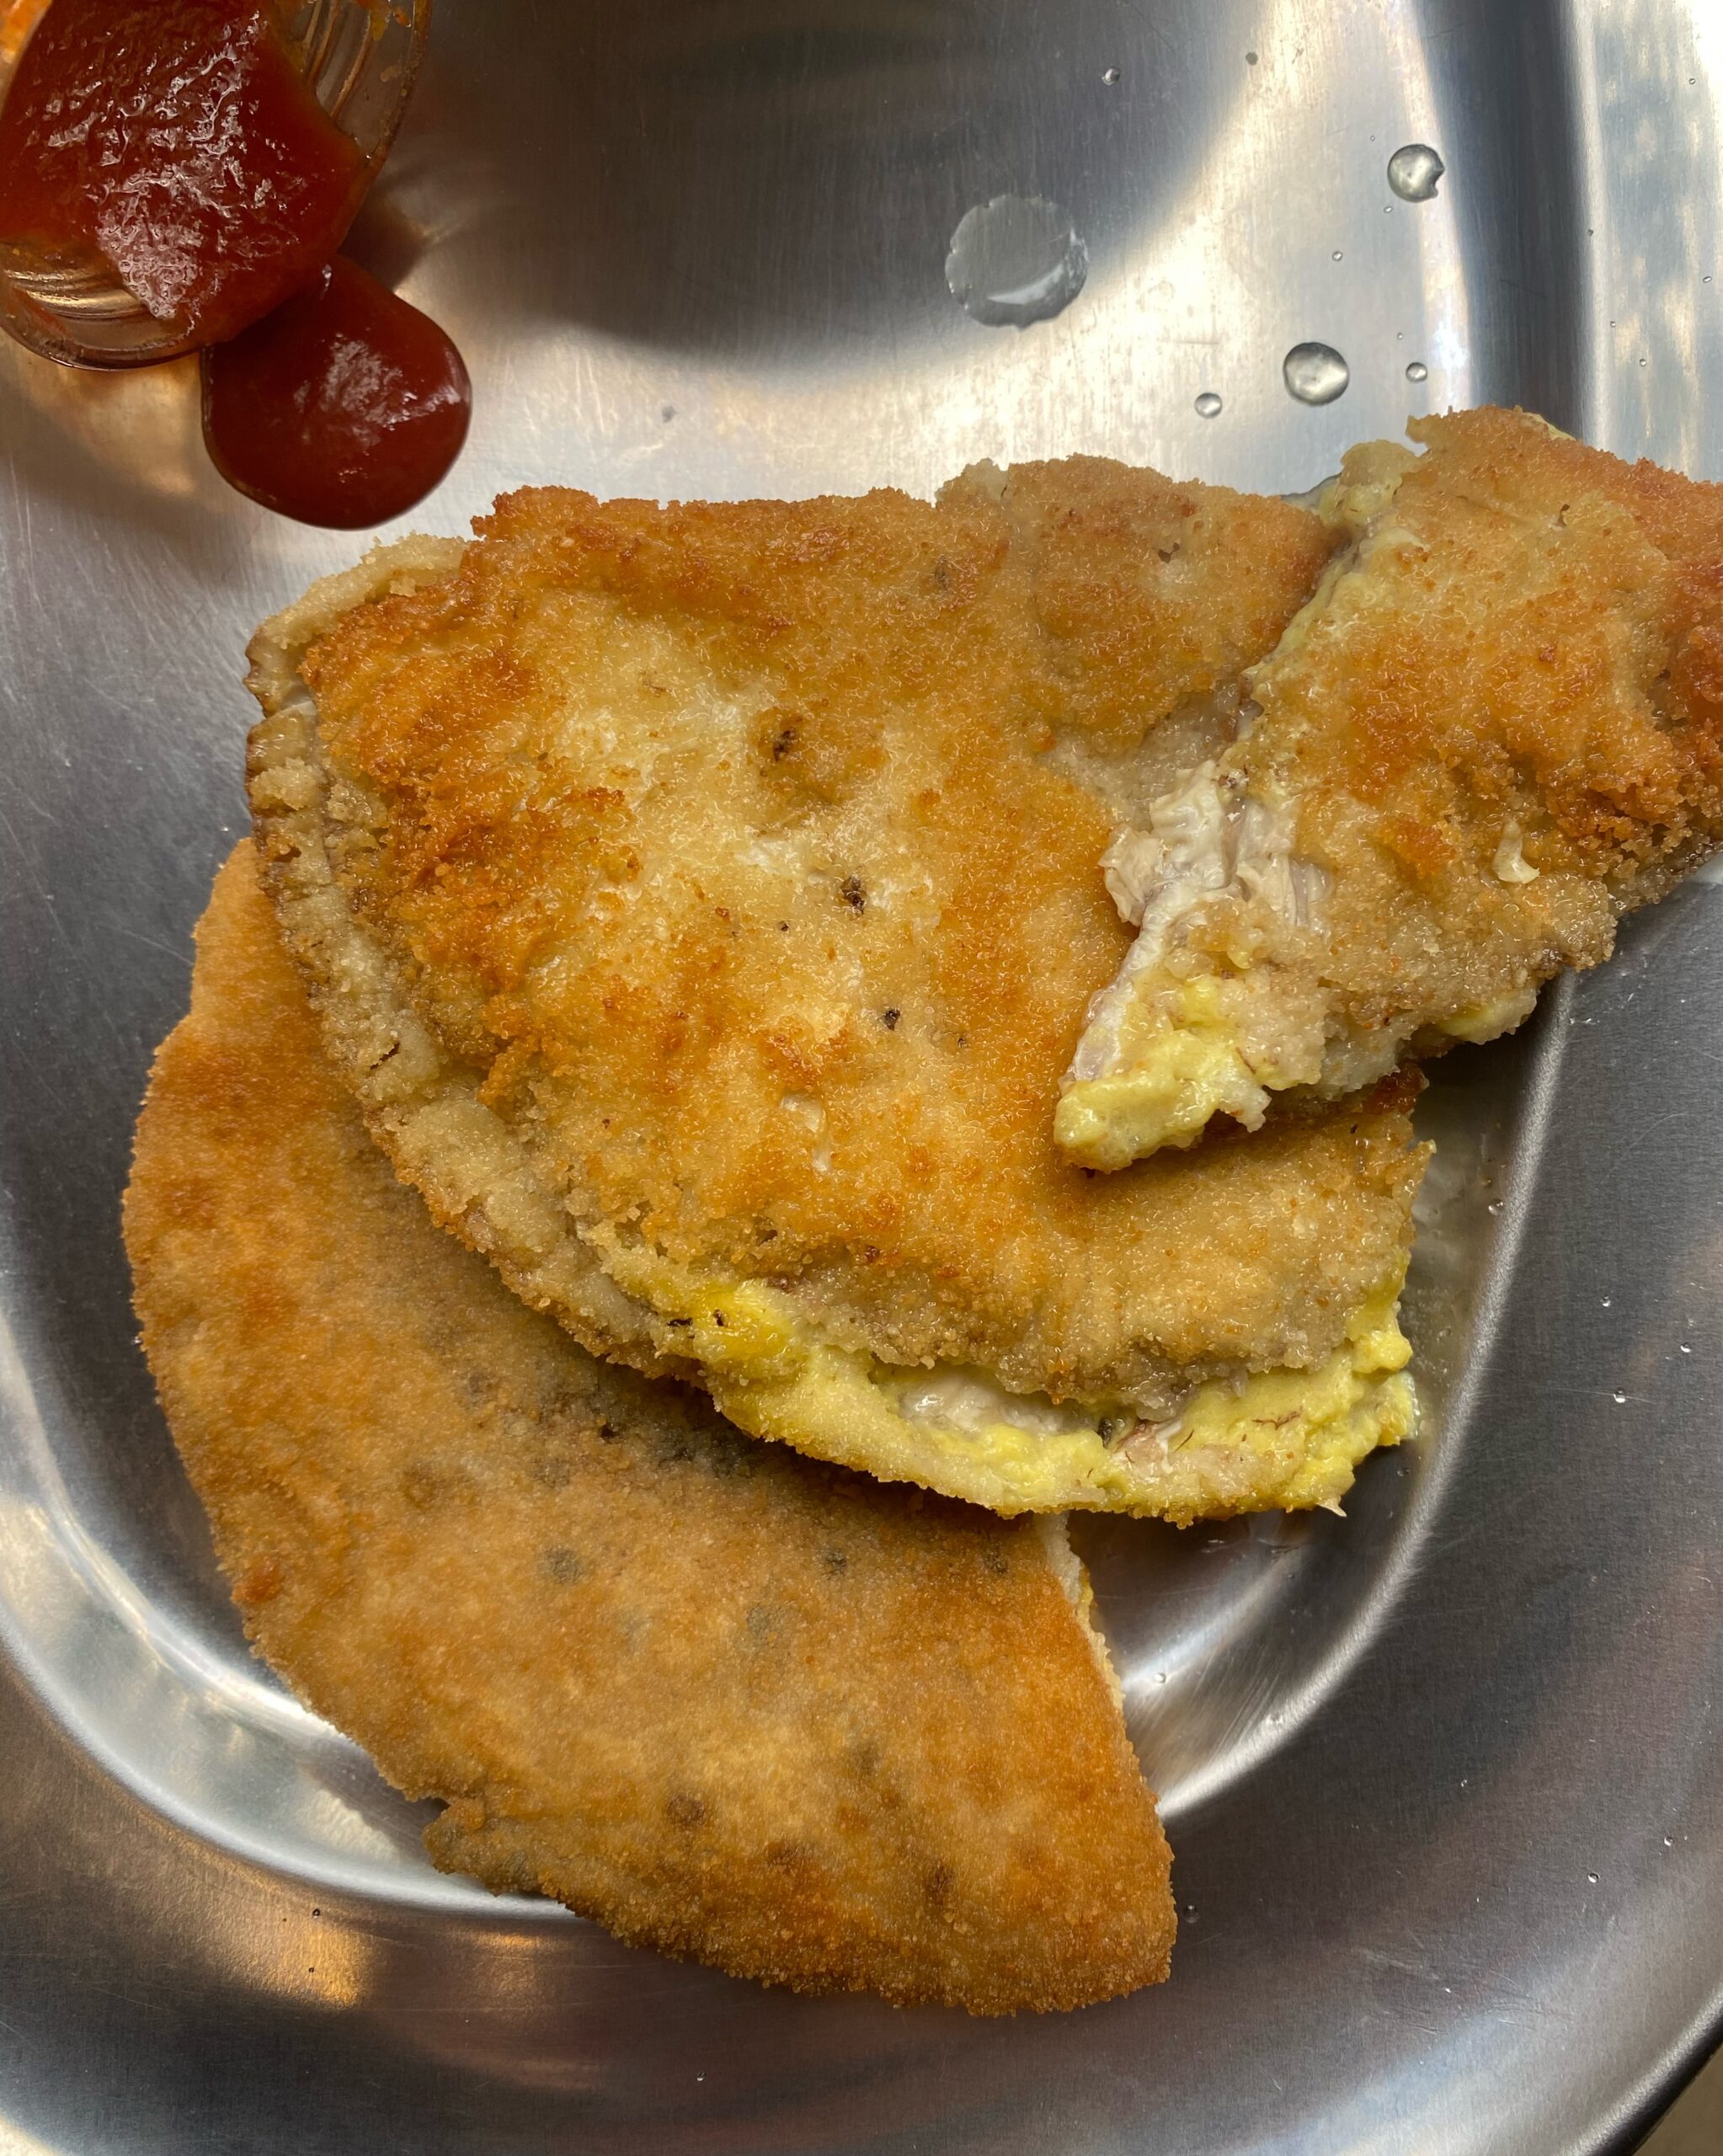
x: 342, y: 408
x: 172, y: 143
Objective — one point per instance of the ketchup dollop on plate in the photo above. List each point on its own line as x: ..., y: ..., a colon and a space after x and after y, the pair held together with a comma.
x: 341, y: 407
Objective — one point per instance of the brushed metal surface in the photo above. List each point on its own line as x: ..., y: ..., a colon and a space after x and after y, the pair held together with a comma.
x: 1444, y: 1779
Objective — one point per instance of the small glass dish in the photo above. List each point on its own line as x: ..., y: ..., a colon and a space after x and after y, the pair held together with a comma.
x: 360, y: 58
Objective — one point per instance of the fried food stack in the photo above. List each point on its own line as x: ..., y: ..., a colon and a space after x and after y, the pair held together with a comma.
x: 720, y: 919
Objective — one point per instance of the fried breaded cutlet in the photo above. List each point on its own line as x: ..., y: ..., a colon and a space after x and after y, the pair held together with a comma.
x: 725, y: 1701
x: 703, y: 902
x: 1497, y: 727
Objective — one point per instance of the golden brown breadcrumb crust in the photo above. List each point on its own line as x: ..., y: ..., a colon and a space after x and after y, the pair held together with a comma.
x: 728, y: 1703
x: 721, y: 851
x: 1527, y: 667
x: 1550, y: 657
x: 1151, y: 598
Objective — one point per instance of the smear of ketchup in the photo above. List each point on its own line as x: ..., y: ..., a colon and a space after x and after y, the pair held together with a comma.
x: 342, y: 408
x: 173, y: 140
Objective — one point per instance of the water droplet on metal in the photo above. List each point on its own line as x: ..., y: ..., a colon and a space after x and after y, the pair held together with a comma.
x: 1605, y: 1300
x: 1685, y: 1349
x: 1415, y: 370
x: 1620, y: 1398
x: 1015, y: 260
x: 1591, y: 1879
x: 1110, y: 76
x: 1316, y: 374
x: 1413, y: 171
x: 1337, y: 256
x: 1208, y: 405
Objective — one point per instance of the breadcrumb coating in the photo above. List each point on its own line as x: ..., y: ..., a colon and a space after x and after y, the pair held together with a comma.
x: 725, y: 1701
x: 1497, y: 727
x: 707, y: 892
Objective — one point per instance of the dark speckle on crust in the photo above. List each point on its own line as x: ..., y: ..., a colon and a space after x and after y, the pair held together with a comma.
x: 420, y: 1486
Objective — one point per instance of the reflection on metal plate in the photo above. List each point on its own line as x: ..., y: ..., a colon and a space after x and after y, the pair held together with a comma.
x: 1445, y: 1779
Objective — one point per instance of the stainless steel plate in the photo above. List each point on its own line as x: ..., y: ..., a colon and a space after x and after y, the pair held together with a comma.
x: 1445, y: 1779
